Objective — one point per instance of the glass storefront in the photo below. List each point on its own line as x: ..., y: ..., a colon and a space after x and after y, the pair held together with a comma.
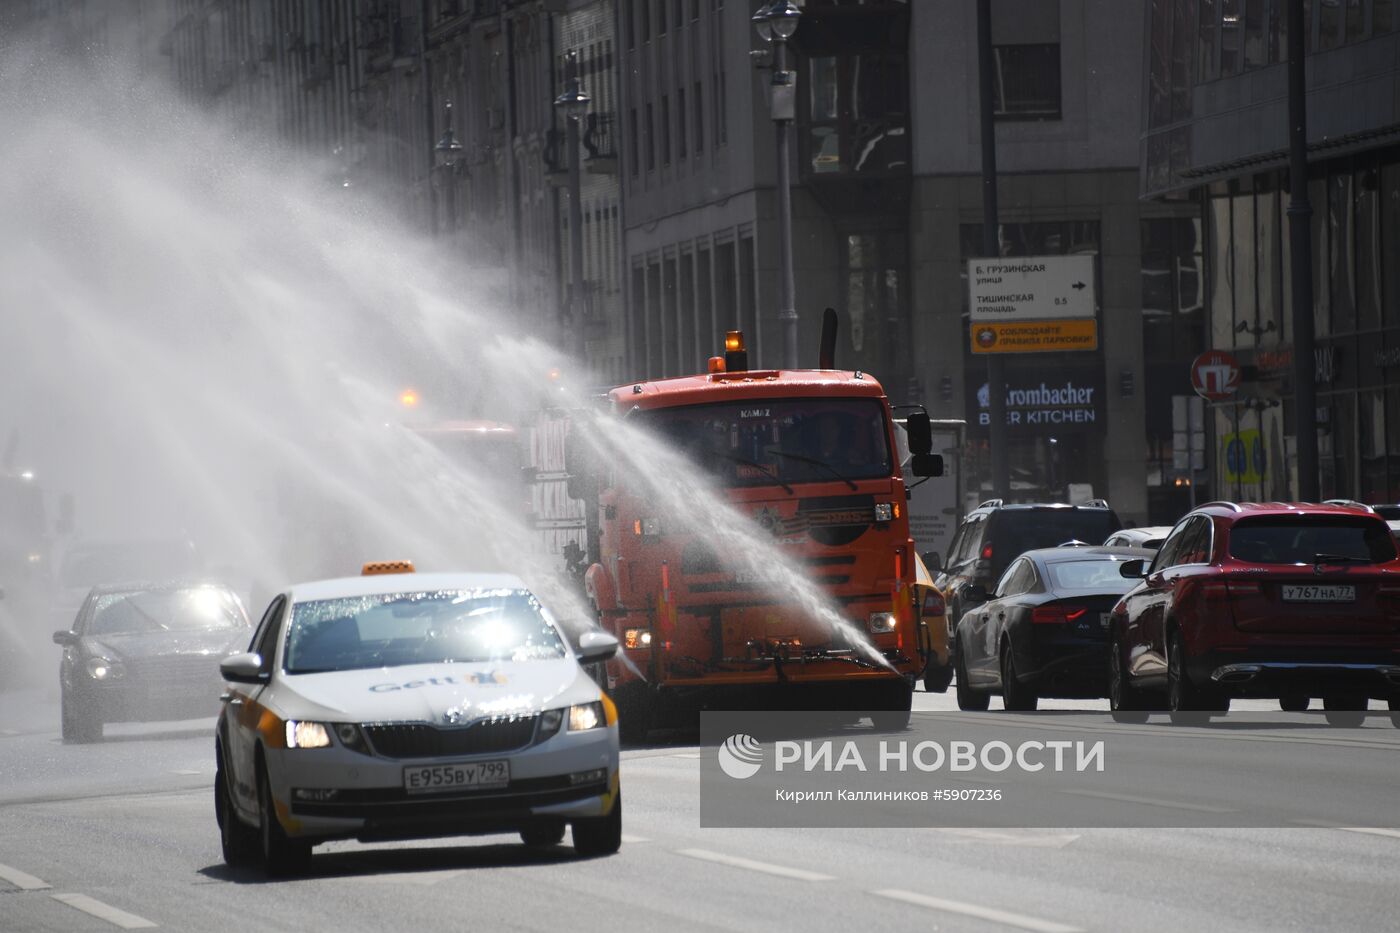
x: 1356, y: 312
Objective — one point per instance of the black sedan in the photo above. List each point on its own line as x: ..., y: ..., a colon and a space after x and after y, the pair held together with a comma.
x: 1044, y: 631
x: 143, y: 652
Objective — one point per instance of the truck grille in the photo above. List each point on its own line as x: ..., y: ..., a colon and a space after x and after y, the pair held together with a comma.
x: 421, y: 740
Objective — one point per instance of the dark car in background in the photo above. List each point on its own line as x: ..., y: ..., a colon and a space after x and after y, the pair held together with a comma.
x: 1043, y: 631
x: 995, y: 533
x: 1272, y: 600
x: 147, y: 652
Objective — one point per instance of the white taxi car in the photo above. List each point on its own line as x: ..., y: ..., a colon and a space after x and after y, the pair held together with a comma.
x: 397, y: 705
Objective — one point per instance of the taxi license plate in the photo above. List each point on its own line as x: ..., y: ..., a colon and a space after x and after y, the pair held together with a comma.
x: 1319, y: 594
x: 436, y: 779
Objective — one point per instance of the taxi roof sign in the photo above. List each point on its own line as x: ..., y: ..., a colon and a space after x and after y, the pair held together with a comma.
x: 376, y: 567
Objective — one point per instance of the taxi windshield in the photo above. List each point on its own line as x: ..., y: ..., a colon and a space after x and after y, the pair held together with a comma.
x: 760, y: 442
x: 441, y: 626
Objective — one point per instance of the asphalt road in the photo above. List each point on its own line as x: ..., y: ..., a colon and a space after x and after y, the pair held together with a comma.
x: 121, y: 834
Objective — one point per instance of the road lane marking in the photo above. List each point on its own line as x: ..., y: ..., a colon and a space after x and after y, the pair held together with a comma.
x: 1005, y: 917
x: 1047, y: 840
x: 687, y: 755
x: 767, y: 868
x: 96, y: 908
x: 633, y: 840
x: 1150, y: 801
x: 22, y: 880
x: 1367, y: 830
x: 184, y: 771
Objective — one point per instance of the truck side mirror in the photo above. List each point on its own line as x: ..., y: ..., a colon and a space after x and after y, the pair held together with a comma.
x: 926, y: 465
x: 920, y: 434
x: 932, y: 561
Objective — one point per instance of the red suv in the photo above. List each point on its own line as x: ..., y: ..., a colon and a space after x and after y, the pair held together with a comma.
x: 1282, y: 600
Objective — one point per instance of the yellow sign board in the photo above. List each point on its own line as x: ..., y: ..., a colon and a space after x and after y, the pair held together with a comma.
x: 1034, y: 336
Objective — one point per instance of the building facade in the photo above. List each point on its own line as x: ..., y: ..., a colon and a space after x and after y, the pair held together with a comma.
x: 887, y: 206
x: 1216, y: 137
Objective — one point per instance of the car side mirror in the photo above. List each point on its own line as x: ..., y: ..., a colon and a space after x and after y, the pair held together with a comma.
x: 932, y: 561
x: 919, y: 433
x: 595, y: 647
x: 65, y: 638
x: 926, y: 465
x: 246, y: 668
x: 974, y: 593
x: 1134, y: 569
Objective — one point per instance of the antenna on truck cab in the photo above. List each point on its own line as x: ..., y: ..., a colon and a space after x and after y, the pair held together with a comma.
x: 827, y: 356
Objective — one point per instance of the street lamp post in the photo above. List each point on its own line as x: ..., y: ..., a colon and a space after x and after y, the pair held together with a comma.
x: 775, y: 23
x: 573, y: 104
x: 447, y: 155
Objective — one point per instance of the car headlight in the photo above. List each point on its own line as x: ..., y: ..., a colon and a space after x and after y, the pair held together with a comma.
x: 104, y: 669
x: 881, y: 623
x: 550, y: 721
x: 307, y: 734
x: 586, y: 716
x: 349, y: 735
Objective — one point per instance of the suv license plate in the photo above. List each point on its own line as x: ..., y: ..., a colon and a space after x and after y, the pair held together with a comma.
x: 436, y: 779
x: 1319, y: 594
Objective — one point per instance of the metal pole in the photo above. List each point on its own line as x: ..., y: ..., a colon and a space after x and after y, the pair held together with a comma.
x: 1300, y: 261
x: 991, y: 246
x: 787, y: 310
x: 425, y: 87
x: 575, y: 235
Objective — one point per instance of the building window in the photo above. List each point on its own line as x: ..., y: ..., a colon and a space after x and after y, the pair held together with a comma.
x: 660, y: 17
x: 721, y: 118
x: 1207, y: 42
x: 1230, y: 29
x: 665, y: 129
x: 678, y: 13
x: 651, y: 140
x: 644, y: 7
x: 629, y: 12
x: 1027, y: 82
x: 857, y: 113
x: 632, y: 137
x: 1382, y: 17
x: 680, y: 123
x: 699, y: 112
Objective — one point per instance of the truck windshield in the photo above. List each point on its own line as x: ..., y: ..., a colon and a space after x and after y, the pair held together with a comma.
x: 759, y: 442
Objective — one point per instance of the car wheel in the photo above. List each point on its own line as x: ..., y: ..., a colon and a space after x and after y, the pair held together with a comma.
x: 1187, y: 703
x: 635, y: 712
x: 1015, y: 695
x: 1394, y: 712
x: 968, y: 698
x: 236, y: 838
x: 79, y: 721
x: 600, y: 835
x: 937, y: 677
x: 281, y: 856
x: 543, y: 835
x: 1124, y: 703
x: 895, y: 715
x: 1293, y: 703
x: 1345, y: 712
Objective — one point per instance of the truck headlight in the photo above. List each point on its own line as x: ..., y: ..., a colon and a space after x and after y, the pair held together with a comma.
x: 586, y: 716
x: 636, y: 638
x: 882, y: 623
x: 104, y: 669
x: 884, y: 511
x: 307, y: 734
